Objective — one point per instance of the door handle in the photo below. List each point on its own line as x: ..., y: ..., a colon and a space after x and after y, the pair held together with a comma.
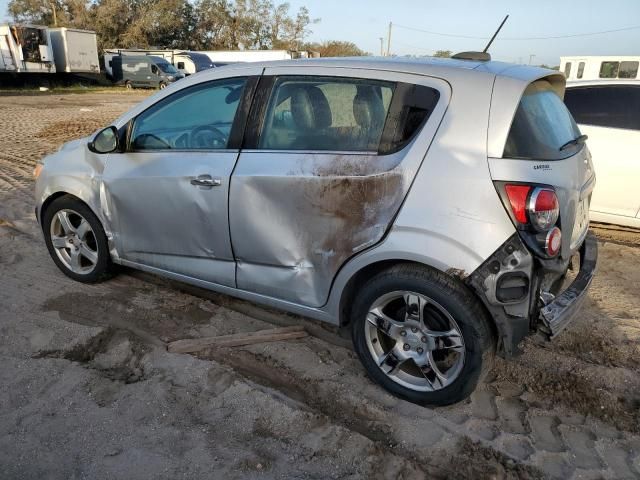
x: 206, y: 181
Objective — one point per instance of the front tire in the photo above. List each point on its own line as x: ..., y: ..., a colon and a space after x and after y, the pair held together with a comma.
x: 422, y: 335
x: 76, y: 240
x: 162, y: 85
x: 128, y: 85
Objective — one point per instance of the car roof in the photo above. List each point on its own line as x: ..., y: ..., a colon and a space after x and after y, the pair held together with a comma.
x: 432, y: 66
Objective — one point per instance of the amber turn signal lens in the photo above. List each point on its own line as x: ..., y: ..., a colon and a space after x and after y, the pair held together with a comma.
x: 37, y: 170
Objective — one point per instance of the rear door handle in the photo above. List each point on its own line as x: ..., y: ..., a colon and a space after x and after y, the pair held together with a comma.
x: 206, y: 181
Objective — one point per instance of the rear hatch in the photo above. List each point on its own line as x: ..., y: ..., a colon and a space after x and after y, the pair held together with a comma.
x: 544, y: 150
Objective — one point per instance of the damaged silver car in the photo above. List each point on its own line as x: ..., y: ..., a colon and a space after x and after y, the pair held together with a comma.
x: 435, y: 206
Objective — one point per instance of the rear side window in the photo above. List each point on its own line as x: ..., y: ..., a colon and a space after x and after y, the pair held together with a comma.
x: 542, y: 124
x: 580, y: 70
x: 567, y: 69
x: 344, y: 114
x: 613, y: 106
x: 315, y: 113
x: 609, y: 69
x: 628, y: 70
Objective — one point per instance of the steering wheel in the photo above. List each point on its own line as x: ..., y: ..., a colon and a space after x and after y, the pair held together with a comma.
x: 149, y: 141
x: 208, y: 136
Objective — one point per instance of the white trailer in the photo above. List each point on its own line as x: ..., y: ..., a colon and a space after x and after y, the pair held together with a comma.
x: 25, y: 49
x: 75, y: 51
x: 233, y: 56
x: 600, y: 67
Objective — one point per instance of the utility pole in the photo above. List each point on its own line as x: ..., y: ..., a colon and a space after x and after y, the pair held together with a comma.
x: 389, y: 40
x: 381, y: 46
x: 55, y: 17
x: 531, y: 57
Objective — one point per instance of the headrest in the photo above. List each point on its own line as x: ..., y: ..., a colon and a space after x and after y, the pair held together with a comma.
x: 310, y: 108
x: 368, y: 109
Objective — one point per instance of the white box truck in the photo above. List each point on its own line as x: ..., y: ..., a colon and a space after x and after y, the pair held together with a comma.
x: 25, y: 49
x: 74, y: 51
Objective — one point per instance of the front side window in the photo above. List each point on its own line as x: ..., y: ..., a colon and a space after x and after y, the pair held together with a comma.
x: 612, y: 106
x: 628, y: 70
x: 567, y: 69
x: 319, y: 113
x: 195, y: 118
x: 609, y: 69
x: 542, y: 124
x: 580, y: 69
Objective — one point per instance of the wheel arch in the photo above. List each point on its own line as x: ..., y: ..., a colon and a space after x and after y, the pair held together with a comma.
x: 46, y: 203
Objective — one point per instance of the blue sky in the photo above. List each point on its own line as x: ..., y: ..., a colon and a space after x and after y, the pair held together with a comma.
x: 363, y: 22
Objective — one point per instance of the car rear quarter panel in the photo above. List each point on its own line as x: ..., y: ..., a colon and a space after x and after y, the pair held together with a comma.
x: 452, y: 218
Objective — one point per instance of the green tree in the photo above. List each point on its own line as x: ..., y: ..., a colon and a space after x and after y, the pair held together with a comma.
x: 174, y: 24
x: 336, y: 48
x: 442, y: 53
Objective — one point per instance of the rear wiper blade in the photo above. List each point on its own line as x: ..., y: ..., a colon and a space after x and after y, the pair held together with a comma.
x: 576, y: 141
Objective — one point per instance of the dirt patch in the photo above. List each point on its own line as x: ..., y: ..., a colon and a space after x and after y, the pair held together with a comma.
x: 617, y: 234
x: 154, y: 319
x: 560, y: 385
x: 115, y: 354
x: 478, y: 461
x: 69, y: 130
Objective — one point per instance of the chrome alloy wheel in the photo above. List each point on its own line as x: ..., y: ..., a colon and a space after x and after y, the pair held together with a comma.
x: 414, y: 341
x: 74, y: 241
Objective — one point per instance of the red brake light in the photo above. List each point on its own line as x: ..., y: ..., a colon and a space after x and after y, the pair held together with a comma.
x: 544, y: 209
x: 518, y: 199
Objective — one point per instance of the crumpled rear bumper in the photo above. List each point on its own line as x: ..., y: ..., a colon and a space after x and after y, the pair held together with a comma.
x: 557, y: 314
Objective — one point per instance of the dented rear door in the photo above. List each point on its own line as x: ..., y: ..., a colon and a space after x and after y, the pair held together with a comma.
x: 323, y: 172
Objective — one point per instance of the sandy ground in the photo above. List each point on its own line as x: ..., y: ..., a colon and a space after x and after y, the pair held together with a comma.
x: 87, y: 389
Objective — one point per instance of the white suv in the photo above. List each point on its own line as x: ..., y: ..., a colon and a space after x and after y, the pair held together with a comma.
x: 434, y: 205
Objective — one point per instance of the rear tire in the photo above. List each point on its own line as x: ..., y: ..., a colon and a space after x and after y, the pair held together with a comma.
x: 76, y: 240
x: 128, y: 85
x: 422, y: 335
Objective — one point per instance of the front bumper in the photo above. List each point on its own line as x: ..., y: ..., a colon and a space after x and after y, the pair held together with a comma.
x: 556, y: 315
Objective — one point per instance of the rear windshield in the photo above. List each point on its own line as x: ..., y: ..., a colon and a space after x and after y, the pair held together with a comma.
x: 542, y: 124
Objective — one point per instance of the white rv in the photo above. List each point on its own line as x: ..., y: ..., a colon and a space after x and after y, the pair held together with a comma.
x: 222, y: 57
x: 600, y: 68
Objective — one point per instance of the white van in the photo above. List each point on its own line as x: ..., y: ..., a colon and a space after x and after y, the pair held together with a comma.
x: 608, y: 111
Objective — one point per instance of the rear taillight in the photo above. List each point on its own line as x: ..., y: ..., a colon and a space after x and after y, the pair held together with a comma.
x: 518, y: 195
x: 544, y: 209
x: 535, y: 211
x: 537, y: 207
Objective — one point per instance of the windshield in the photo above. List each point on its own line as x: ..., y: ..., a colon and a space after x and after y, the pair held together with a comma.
x: 202, y: 62
x: 167, y: 68
x: 542, y: 124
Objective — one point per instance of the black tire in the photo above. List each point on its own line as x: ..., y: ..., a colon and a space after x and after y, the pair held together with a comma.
x: 128, y: 85
x: 162, y: 85
x: 460, y: 303
x: 103, y: 268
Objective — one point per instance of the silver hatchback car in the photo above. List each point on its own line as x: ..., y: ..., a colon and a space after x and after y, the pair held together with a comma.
x: 435, y: 206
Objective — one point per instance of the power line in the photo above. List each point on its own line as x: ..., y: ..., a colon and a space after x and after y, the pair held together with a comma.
x: 519, y: 38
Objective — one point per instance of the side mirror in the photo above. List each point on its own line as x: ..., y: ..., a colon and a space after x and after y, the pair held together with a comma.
x: 105, y: 141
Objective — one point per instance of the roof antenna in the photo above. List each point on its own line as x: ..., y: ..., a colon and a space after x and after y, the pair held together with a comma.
x: 482, y: 56
x: 495, y: 35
